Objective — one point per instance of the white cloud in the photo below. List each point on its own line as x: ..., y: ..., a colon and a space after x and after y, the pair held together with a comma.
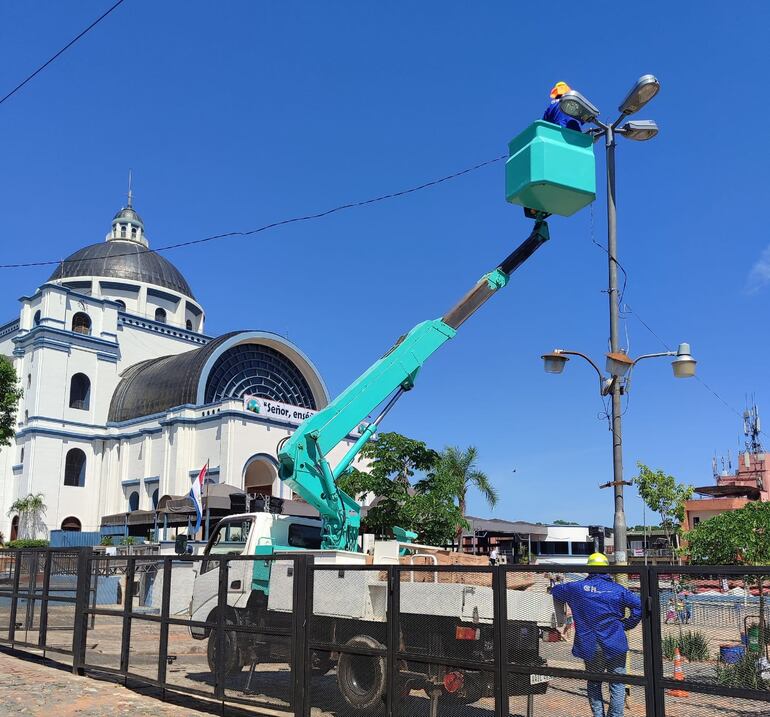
x: 759, y: 276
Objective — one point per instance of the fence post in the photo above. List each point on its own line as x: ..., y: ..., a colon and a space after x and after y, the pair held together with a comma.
x: 43, y: 628
x: 81, y: 605
x: 128, y: 604
x: 14, y: 600
x: 221, y: 675
x: 394, y: 636
x: 500, y: 638
x: 655, y: 653
x: 300, y: 652
x: 164, y: 613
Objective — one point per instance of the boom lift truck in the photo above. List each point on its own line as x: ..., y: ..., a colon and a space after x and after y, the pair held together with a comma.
x: 349, y: 606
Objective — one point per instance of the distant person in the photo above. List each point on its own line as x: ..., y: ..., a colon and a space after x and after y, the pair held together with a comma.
x: 670, y: 611
x: 494, y: 556
x: 553, y: 112
x: 599, y: 606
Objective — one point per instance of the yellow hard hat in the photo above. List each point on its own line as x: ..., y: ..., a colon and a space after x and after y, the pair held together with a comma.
x: 559, y: 89
x: 598, y: 559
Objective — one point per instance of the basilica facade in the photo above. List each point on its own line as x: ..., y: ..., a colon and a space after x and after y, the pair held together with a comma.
x: 126, y: 396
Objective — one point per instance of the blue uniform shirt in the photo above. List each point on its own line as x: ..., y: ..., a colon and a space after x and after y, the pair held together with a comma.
x: 598, y: 605
x: 554, y: 115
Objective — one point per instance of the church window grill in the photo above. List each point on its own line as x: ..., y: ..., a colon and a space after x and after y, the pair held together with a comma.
x: 81, y: 323
x: 160, y: 315
x: 258, y: 371
x: 75, y: 468
x: 80, y: 392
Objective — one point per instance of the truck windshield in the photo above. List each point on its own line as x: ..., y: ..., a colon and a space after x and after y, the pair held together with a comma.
x: 229, y: 537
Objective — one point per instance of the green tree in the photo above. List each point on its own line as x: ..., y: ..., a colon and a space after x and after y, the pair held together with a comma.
x: 393, y: 461
x: 664, y: 496
x: 564, y: 522
x: 10, y: 393
x: 30, y: 510
x: 736, y: 537
x: 459, y: 467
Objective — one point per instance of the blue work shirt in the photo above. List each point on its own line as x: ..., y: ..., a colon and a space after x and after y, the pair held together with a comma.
x: 599, y: 605
x: 554, y: 115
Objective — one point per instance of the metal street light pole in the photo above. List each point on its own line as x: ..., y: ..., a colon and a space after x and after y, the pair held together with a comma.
x: 619, y: 522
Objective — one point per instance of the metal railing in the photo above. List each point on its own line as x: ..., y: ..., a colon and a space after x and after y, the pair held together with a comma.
x: 293, y: 635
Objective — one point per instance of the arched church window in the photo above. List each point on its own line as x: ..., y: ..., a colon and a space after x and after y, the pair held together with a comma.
x: 36, y: 319
x: 121, y: 303
x: 133, y: 502
x: 122, y: 231
x: 75, y: 468
x: 160, y: 315
x: 80, y: 392
x: 188, y: 325
x: 155, y: 499
x: 81, y: 323
x: 71, y: 524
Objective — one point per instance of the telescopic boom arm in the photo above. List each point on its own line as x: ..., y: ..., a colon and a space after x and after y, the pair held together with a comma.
x: 303, y: 457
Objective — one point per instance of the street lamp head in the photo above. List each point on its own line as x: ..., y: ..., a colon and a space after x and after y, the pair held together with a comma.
x: 641, y: 93
x: 618, y: 363
x: 684, y: 363
x: 577, y: 106
x: 554, y: 362
x: 639, y: 130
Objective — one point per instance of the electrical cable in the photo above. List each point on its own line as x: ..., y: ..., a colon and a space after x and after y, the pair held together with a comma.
x: 280, y: 223
x: 61, y: 52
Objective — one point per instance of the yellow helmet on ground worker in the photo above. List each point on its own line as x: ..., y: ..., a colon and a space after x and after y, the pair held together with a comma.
x: 599, y: 559
x: 559, y: 89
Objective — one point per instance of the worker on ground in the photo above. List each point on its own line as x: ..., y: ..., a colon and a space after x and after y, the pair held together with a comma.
x: 494, y: 556
x: 553, y: 112
x: 599, y: 607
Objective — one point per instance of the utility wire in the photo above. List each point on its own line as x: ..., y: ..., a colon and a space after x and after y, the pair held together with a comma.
x: 62, y: 51
x: 282, y: 222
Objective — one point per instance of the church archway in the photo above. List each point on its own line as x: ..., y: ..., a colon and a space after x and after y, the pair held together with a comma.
x: 260, y: 474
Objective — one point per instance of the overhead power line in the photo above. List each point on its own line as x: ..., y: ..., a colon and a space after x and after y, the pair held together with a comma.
x: 282, y: 222
x: 60, y: 52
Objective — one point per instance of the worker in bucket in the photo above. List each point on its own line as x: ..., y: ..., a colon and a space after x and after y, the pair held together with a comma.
x: 553, y: 112
x: 599, y: 607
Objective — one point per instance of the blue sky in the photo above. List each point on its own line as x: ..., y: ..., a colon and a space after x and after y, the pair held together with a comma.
x: 233, y: 115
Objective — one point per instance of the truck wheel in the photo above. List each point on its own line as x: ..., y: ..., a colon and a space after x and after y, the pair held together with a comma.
x: 233, y: 662
x: 361, y: 678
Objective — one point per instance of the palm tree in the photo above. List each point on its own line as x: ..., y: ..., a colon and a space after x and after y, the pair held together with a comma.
x: 460, y: 465
x: 30, y: 510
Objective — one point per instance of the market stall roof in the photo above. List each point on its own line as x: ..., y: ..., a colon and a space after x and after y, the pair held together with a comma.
x: 216, y: 496
x: 496, y: 525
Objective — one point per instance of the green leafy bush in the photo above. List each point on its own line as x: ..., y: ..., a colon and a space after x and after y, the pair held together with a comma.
x: 106, y: 540
x: 28, y: 543
x: 744, y: 673
x: 693, y: 646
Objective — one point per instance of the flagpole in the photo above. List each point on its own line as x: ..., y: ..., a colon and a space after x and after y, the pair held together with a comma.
x: 208, y: 512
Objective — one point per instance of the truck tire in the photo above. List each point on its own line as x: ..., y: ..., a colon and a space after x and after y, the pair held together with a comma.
x: 361, y: 678
x: 233, y: 659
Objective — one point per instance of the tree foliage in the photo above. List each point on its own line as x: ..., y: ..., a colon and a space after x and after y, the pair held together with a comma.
x: 664, y: 496
x: 564, y: 522
x: 735, y: 537
x: 10, y: 393
x: 30, y: 510
x: 393, y: 461
x: 457, y: 468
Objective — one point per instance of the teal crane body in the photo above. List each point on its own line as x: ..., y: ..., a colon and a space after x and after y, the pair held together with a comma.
x: 303, y: 457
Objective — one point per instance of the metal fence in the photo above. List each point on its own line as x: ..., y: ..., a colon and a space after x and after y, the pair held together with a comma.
x: 289, y: 635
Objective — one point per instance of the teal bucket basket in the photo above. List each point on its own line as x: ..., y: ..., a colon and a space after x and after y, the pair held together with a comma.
x: 551, y: 169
